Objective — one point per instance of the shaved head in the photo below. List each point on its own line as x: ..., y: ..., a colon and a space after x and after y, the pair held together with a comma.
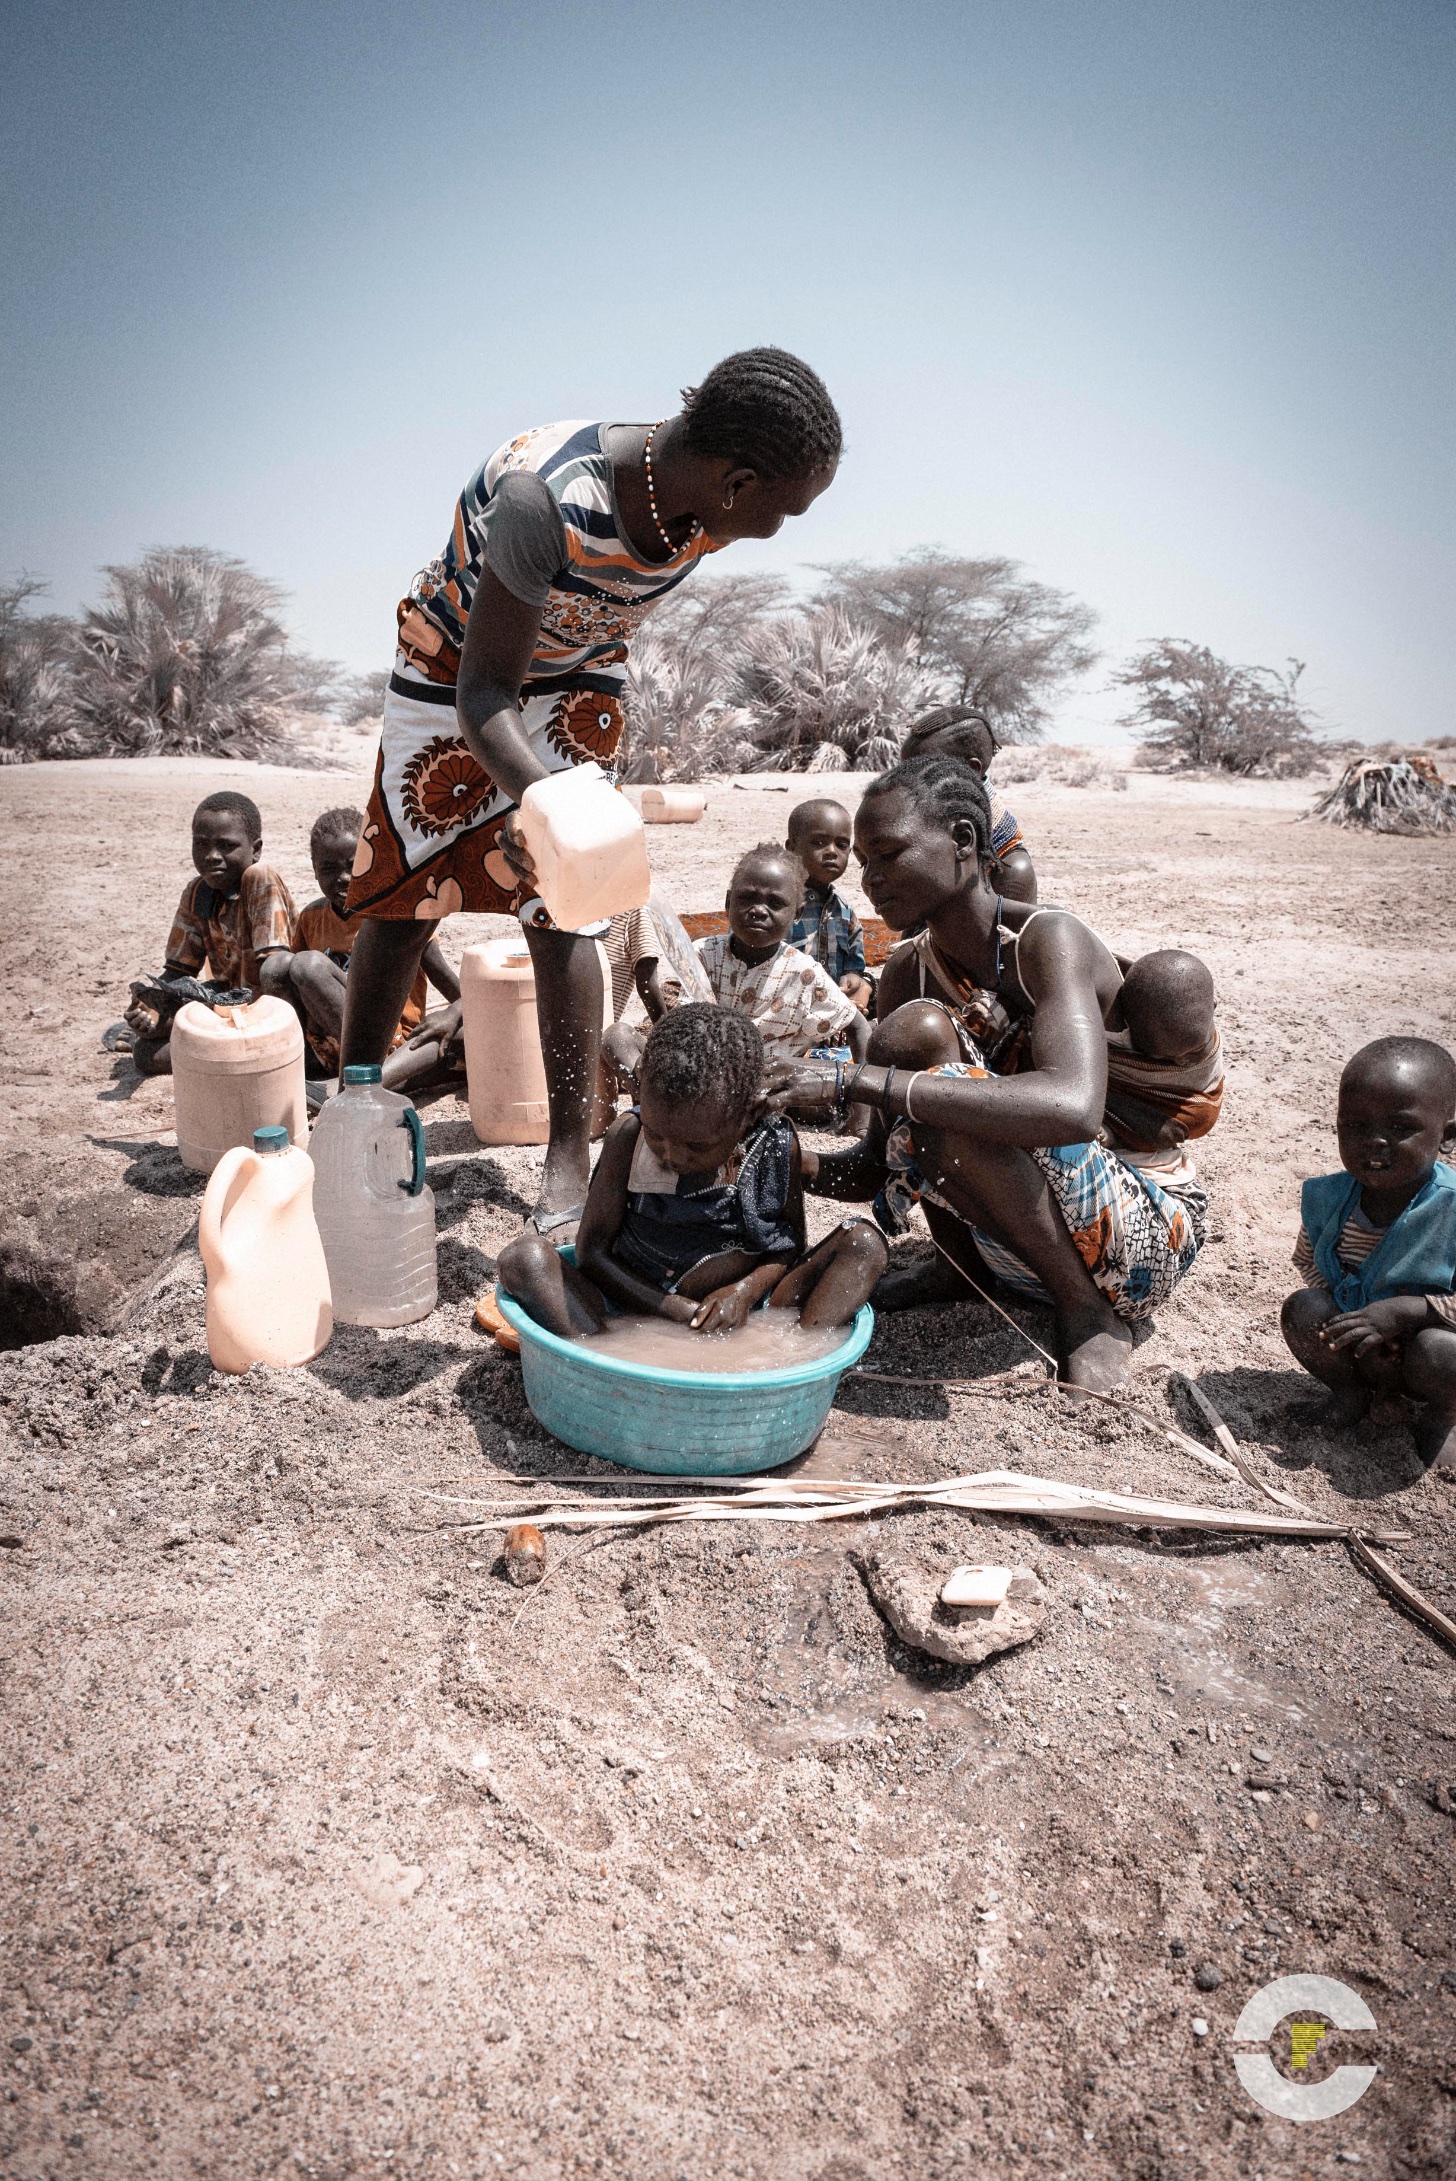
x: 822, y: 811
x: 1167, y: 1003
x: 1405, y: 1065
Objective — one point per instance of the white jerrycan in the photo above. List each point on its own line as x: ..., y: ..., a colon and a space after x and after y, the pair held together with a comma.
x: 267, y: 1282
x: 587, y: 844
x: 375, y: 1215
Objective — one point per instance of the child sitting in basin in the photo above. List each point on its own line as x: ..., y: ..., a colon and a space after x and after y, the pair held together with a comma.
x: 696, y: 1210
x: 1377, y: 1245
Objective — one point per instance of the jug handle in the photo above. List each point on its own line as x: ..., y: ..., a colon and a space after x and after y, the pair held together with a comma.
x: 410, y: 1119
x: 231, y: 1170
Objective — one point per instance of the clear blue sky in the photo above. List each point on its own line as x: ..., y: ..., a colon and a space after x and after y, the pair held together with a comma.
x: 1156, y: 296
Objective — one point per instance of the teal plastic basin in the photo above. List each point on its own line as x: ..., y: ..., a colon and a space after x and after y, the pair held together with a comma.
x: 679, y: 1423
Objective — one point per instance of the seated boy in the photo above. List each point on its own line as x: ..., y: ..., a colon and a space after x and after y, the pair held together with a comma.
x: 753, y: 969
x: 696, y: 1209
x: 826, y: 928
x: 234, y: 916
x: 1377, y: 1245
x: 315, y: 974
x: 955, y: 731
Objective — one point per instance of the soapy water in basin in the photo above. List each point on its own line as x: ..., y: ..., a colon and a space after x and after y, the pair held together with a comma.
x: 772, y: 1340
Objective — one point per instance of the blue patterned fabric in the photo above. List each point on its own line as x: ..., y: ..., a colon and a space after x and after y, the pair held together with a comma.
x: 830, y: 933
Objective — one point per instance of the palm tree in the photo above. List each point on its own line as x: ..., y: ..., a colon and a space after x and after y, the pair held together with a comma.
x: 186, y: 653
x: 818, y: 693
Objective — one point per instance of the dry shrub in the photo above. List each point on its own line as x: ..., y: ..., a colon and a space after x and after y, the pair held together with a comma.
x: 1060, y: 764
x: 1407, y: 796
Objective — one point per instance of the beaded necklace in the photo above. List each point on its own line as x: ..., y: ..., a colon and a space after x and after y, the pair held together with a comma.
x: 673, y: 550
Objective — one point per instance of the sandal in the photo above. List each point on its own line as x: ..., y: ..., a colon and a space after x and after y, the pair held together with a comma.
x: 553, y: 1222
x: 491, y: 1319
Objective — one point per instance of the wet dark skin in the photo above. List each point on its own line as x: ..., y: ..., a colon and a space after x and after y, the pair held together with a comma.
x: 821, y: 835
x: 318, y: 987
x: 1393, y: 1119
x: 972, y: 1135
x: 222, y: 849
x: 730, y: 502
x: 717, y: 1295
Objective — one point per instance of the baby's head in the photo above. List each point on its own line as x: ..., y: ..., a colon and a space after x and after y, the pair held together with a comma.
x: 1397, y: 1101
x: 918, y: 1035
x: 764, y: 895
x: 1167, y: 1004
x: 332, y: 845
x: 699, y: 1084
x: 952, y: 731
x: 821, y: 834
x: 227, y: 839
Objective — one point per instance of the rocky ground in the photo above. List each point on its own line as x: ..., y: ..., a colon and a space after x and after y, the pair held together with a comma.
x: 329, y: 1852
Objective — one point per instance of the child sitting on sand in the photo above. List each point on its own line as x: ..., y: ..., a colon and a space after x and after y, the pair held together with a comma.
x: 826, y: 928
x: 1377, y: 1245
x: 323, y: 940
x: 233, y: 916
x: 696, y: 1210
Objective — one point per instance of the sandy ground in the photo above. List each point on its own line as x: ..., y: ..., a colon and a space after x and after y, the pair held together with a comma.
x: 696, y: 1870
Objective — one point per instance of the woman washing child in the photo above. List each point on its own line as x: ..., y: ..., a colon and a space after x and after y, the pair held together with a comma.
x: 1014, y: 1158
x: 511, y: 664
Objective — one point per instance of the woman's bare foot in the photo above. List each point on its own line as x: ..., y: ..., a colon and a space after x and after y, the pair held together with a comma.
x: 1096, y: 1350
x: 1436, y: 1439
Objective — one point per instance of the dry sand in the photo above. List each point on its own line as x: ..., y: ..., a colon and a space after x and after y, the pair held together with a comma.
x: 327, y: 1852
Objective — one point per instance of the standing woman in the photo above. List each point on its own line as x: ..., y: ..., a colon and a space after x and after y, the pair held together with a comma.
x: 511, y: 665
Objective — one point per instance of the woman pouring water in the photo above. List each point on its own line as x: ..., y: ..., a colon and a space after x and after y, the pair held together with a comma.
x: 511, y: 666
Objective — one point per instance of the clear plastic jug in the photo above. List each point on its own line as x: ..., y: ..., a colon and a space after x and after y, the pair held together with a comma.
x: 375, y: 1215
x: 267, y: 1282
x: 587, y: 844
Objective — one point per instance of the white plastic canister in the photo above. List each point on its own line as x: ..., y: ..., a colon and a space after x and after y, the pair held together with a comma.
x: 503, y: 1066
x: 267, y: 1282
x: 673, y: 806
x: 234, y: 1070
x: 586, y: 842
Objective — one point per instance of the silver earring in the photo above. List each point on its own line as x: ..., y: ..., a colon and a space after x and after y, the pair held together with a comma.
x: 728, y: 499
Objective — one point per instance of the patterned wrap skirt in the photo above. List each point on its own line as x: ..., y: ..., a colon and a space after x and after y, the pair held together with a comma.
x: 431, y: 841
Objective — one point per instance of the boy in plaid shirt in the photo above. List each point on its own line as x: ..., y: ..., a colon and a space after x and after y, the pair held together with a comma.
x: 826, y: 928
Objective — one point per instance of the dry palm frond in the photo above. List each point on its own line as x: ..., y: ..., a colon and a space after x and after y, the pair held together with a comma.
x: 1407, y: 796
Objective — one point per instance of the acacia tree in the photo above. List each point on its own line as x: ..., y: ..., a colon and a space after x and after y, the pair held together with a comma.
x: 186, y: 652
x: 1196, y: 710
x: 982, y: 631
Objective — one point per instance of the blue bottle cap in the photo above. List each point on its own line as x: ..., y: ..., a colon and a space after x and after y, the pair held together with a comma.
x: 371, y: 1072
x: 270, y: 1140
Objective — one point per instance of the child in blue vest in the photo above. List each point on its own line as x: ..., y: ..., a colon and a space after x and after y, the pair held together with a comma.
x: 1377, y: 1245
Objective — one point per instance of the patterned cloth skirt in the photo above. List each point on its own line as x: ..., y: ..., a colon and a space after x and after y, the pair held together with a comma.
x: 431, y: 842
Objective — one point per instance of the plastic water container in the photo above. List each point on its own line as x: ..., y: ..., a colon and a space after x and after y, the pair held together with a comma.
x: 375, y: 1215
x: 267, y: 1281
x: 504, y: 1071
x: 673, y: 806
x: 235, y: 1070
x: 587, y: 844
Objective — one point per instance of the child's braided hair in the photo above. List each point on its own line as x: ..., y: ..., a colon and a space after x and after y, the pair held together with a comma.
x: 766, y: 410
x: 704, y: 1056
x: 943, y: 790
x: 335, y: 825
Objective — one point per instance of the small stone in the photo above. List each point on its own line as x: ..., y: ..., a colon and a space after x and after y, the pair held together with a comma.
x: 1262, y: 1756
x: 21, y: 2044
x: 1208, y: 1976
x: 1448, y: 1984
x: 495, y: 2029
x: 1313, y: 1820
x: 525, y: 1554
x: 388, y: 1883
x: 1199, y: 2026
x: 1177, y: 1949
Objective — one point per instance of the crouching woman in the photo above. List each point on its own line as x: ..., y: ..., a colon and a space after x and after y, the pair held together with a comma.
x: 1010, y: 1168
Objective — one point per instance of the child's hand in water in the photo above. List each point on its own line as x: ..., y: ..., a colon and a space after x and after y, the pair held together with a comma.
x: 724, y: 1310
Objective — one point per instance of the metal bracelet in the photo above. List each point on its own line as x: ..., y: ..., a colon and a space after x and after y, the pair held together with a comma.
x: 886, y: 1093
x: 909, y: 1087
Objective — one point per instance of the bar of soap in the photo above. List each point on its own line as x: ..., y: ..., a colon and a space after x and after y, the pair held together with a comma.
x: 976, y: 1586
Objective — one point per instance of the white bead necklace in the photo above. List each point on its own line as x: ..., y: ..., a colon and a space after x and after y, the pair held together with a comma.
x: 674, y: 550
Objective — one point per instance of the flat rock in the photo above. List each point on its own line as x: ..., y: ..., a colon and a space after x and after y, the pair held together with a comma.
x: 908, y: 1594
x: 388, y: 1883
